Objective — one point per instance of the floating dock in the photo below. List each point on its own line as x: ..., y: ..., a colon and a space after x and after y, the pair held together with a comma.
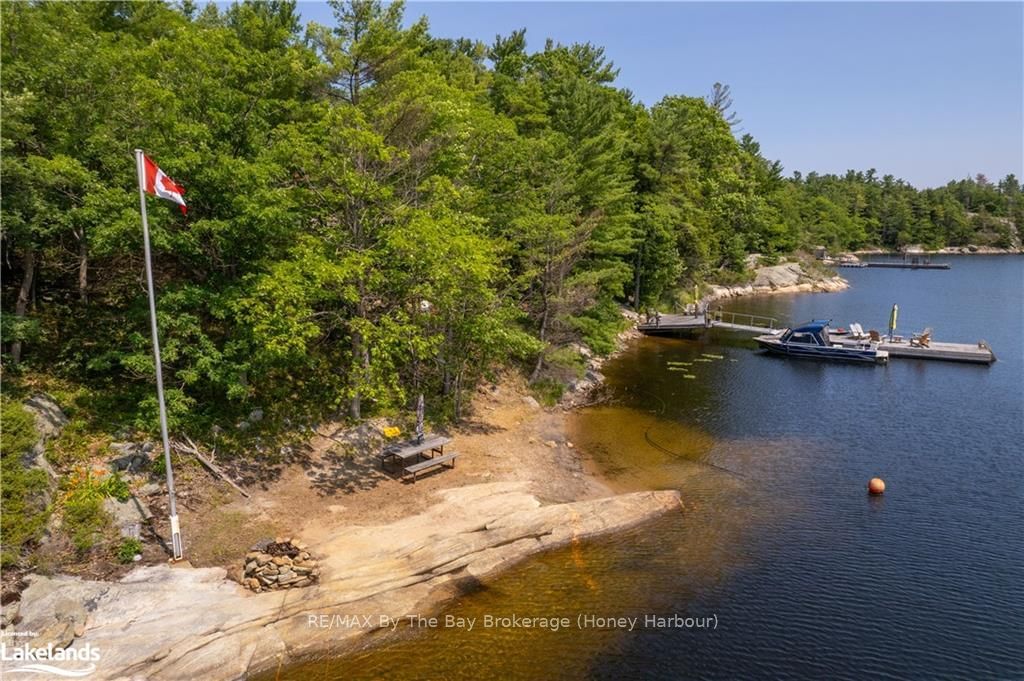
x: 979, y: 353
x: 668, y: 324
x: 910, y: 264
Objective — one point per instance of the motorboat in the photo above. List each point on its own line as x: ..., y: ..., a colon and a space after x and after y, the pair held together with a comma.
x: 811, y: 340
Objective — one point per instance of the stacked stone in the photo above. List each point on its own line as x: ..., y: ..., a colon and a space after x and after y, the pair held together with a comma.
x: 281, y: 564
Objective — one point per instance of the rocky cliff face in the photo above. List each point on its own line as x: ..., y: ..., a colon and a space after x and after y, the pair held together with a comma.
x: 176, y: 622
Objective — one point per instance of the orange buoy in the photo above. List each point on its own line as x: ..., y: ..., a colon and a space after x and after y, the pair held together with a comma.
x: 876, y: 486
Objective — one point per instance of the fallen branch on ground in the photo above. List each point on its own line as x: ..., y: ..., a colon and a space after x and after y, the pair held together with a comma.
x: 191, y: 448
x: 330, y: 437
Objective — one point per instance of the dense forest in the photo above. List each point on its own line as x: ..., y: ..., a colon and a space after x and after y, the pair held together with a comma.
x: 374, y: 212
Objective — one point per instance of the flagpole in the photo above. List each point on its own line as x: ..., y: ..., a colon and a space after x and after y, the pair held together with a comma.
x: 175, y: 529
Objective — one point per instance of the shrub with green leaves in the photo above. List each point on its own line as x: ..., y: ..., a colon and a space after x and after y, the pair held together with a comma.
x: 599, y: 326
x: 85, y: 520
x: 115, y: 487
x: 14, y: 328
x: 128, y: 549
x: 23, y: 508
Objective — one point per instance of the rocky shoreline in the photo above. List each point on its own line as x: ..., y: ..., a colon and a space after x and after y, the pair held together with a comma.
x: 182, y: 622
x: 768, y: 280
x: 168, y: 622
x: 778, y: 279
x: 970, y: 249
x: 389, y: 549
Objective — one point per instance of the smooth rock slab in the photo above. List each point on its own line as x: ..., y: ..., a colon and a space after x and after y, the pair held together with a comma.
x: 176, y: 622
x: 128, y: 516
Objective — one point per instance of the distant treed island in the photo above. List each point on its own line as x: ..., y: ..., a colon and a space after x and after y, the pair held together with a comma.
x: 374, y: 212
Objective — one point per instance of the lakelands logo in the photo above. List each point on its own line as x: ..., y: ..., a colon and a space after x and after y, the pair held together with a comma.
x: 31, y: 660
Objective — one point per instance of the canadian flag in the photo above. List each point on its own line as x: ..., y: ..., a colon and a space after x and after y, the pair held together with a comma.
x: 158, y: 184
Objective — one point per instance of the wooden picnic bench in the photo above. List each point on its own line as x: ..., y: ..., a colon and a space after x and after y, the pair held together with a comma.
x: 417, y: 468
x: 409, y: 453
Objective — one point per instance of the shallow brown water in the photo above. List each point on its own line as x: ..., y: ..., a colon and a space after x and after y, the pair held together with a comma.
x: 623, y: 576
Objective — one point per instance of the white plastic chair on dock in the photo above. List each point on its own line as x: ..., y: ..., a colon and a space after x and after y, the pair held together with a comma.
x: 857, y: 331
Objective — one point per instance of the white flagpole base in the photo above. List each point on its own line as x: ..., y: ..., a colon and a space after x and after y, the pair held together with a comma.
x: 176, y: 538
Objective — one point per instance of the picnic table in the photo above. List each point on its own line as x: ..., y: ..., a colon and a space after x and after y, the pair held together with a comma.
x: 407, y: 454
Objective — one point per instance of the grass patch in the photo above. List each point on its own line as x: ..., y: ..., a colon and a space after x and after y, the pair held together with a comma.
x: 225, y: 537
x: 567, y: 359
x: 128, y: 549
x: 76, y: 444
x: 547, y: 391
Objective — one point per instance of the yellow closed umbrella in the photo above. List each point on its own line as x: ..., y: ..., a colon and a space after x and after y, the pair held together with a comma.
x: 892, y: 320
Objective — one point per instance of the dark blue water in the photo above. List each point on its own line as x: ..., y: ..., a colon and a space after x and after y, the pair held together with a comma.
x: 924, y: 582
x: 807, y: 575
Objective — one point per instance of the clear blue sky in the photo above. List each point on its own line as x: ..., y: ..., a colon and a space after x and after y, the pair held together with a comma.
x: 926, y: 91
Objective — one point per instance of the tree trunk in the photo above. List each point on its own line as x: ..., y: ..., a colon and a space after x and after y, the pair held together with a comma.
x: 29, y: 264
x: 355, y: 405
x: 543, y: 333
x: 458, y: 393
x: 543, y: 320
x: 83, y: 270
x: 360, y: 359
x: 446, y: 373
x: 636, y: 284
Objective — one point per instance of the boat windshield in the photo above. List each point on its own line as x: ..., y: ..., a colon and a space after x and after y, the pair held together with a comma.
x: 812, y: 333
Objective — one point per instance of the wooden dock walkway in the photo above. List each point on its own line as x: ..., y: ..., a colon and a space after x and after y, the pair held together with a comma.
x: 715, y: 319
x: 670, y: 323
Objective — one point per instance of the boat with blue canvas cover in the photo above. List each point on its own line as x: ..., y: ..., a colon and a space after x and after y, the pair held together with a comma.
x: 811, y: 341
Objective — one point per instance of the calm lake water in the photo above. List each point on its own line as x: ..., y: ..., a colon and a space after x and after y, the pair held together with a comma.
x: 808, y: 576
